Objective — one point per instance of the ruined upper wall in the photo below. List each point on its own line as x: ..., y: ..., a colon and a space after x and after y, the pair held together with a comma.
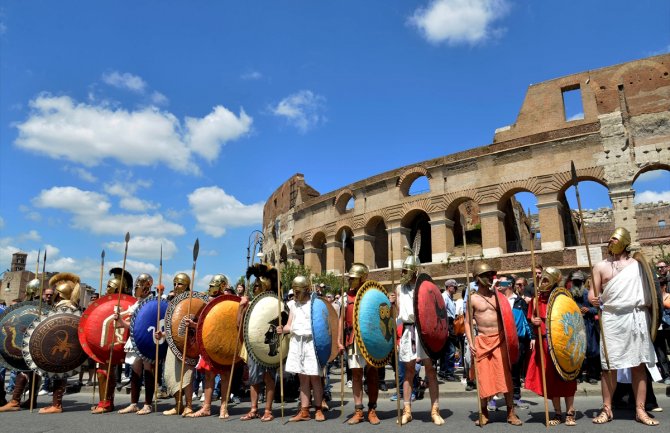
x: 291, y: 193
x: 641, y: 85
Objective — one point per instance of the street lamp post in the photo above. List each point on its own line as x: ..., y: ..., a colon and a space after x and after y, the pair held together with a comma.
x: 258, y: 241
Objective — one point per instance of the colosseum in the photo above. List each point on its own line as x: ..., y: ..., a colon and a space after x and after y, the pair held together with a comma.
x: 469, y: 206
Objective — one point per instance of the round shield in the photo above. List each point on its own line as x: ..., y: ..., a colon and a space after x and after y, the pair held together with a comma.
x: 374, y: 327
x: 14, y: 321
x: 98, y: 331
x: 185, y: 306
x: 430, y: 315
x: 143, y: 324
x: 260, y: 330
x: 325, y: 326
x: 509, y: 328
x: 217, y: 332
x: 51, y: 347
x: 566, y: 336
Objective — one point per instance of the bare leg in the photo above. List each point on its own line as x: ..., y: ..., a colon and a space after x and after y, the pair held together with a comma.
x: 317, y: 390
x: 410, y: 370
x: 269, y: 390
x: 357, y: 385
x: 431, y: 375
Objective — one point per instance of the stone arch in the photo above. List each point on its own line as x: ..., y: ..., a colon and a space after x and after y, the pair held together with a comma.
x: 348, y: 248
x: 516, y: 222
x: 651, y: 167
x: 652, y: 214
x: 468, y: 209
x: 342, y: 199
x: 417, y: 221
x: 408, y: 177
x: 299, y: 251
x: 318, y: 252
x: 377, y: 237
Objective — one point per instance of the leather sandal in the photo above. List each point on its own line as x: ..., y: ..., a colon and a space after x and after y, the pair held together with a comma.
x: 253, y: 413
x: 556, y: 420
x: 570, y: 419
x: 267, y: 416
x: 146, y: 410
x: 604, y: 416
x: 643, y: 417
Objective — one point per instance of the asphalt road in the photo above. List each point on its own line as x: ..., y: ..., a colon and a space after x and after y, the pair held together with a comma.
x: 459, y: 413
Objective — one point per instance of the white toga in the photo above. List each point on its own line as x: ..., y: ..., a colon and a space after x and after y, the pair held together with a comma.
x: 625, y: 321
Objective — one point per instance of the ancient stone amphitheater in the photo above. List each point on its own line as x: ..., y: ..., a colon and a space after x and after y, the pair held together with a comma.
x: 624, y: 132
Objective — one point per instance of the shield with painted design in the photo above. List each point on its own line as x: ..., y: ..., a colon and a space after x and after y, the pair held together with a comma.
x: 14, y: 321
x: 324, y: 330
x: 184, y: 306
x: 566, y: 335
x: 98, y: 332
x: 217, y: 331
x: 509, y: 328
x: 51, y: 346
x: 430, y: 316
x: 260, y: 330
x: 143, y: 324
x: 652, y: 294
x: 374, y: 327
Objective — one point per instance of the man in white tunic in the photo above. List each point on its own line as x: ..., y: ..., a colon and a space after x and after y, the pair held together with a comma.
x: 625, y: 320
x: 411, y: 350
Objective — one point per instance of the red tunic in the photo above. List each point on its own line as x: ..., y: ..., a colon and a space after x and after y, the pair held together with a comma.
x: 556, y: 386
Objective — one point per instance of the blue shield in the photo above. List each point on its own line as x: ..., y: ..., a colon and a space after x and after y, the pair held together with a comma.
x: 142, y: 328
x: 374, y: 325
x: 324, y: 330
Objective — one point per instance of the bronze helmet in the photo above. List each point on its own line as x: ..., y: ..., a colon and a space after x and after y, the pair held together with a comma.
x: 301, y: 289
x: 217, y: 285
x: 143, y: 285
x: 67, y: 287
x: 33, y: 288
x: 551, y: 277
x: 623, y: 237
x: 182, y: 279
x: 478, y: 272
x: 114, y: 283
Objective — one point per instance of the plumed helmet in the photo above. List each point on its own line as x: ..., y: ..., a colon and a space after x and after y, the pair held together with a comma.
x: 67, y: 286
x: 267, y: 278
x: 411, y: 263
x: 33, y: 288
x: 217, y: 284
x: 623, y: 236
x: 300, y: 287
x: 127, y: 281
x: 358, y: 270
x: 551, y: 276
x: 481, y: 268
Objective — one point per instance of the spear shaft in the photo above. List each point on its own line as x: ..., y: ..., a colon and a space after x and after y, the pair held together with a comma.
x: 342, y: 319
x: 395, y: 346
x: 196, y: 249
x: 538, y: 344
x: 118, y: 311
x: 159, y: 291
x: 596, y: 290
x: 102, y: 267
x: 39, y: 313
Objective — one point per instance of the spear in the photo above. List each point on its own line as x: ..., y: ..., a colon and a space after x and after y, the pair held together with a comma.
x: 470, y: 319
x: 596, y: 290
x: 281, y: 353
x: 395, y: 346
x: 196, y: 249
x: 39, y: 312
x: 102, y: 267
x: 159, y: 291
x: 342, y: 319
x: 118, y: 311
x: 538, y: 344
x: 37, y: 266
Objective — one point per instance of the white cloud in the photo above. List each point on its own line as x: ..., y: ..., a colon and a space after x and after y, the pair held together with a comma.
x: 31, y: 235
x: 136, y: 267
x: 215, y: 211
x: 251, y: 75
x: 207, y: 135
x: 88, y: 134
x: 90, y: 211
x: 459, y: 21
x: 302, y: 109
x: 576, y: 116
x: 125, y: 80
x: 146, y: 247
x: 157, y: 98
x: 81, y: 173
x: 126, y: 191
x: 652, y: 196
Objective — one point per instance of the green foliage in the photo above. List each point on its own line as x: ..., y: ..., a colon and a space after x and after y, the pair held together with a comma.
x: 242, y: 281
x: 291, y: 270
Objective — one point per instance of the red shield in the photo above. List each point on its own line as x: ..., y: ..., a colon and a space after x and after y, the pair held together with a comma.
x: 97, y: 332
x: 509, y: 328
x: 430, y: 316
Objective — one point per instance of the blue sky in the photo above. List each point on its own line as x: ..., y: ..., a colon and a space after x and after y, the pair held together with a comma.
x: 176, y: 120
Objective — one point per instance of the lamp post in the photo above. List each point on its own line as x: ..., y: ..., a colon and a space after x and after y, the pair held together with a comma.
x: 258, y: 241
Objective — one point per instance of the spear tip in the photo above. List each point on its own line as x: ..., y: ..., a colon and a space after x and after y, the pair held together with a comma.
x: 573, y: 172
x: 196, y: 249
x: 127, y: 237
x: 102, y: 255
